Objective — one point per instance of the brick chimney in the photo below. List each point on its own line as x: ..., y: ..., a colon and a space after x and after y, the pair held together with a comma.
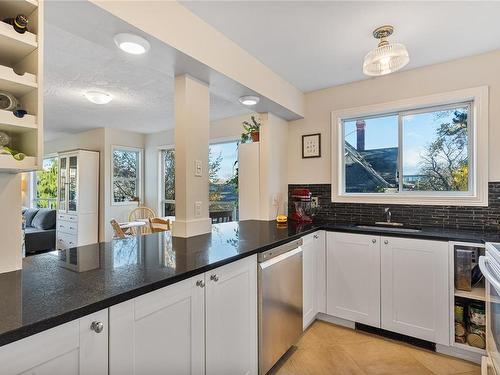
x: 360, y: 135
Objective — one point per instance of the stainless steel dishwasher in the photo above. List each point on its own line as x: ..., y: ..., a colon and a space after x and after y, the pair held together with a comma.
x: 280, y: 302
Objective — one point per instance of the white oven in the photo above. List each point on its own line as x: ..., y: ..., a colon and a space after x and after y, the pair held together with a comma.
x: 490, y: 267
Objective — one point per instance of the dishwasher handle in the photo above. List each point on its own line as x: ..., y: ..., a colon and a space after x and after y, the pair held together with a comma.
x: 280, y: 258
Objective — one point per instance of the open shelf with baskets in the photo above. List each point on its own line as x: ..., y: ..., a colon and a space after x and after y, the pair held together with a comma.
x: 21, y: 84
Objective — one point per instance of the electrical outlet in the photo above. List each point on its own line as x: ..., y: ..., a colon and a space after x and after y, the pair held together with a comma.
x: 314, y: 202
x: 198, y: 170
x: 197, y: 209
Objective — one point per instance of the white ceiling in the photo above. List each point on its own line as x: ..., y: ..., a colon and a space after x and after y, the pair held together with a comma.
x: 80, y: 55
x: 320, y: 44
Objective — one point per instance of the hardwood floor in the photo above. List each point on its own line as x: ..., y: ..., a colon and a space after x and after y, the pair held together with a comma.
x: 327, y: 349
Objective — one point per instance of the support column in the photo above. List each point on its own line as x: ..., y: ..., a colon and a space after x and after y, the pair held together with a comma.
x: 192, y: 123
x: 10, y: 229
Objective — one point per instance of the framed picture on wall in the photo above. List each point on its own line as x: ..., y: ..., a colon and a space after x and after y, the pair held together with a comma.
x: 311, y: 146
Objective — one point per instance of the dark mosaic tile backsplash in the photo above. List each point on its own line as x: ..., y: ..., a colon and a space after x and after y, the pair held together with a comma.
x: 469, y: 218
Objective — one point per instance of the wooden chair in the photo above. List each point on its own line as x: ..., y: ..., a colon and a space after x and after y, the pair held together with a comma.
x: 141, y: 214
x: 158, y: 224
x: 119, y: 233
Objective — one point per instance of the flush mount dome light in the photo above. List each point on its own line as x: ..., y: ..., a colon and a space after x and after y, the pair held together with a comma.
x: 249, y: 100
x: 387, y: 57
x: 98, y: 97
x: 131, y: 43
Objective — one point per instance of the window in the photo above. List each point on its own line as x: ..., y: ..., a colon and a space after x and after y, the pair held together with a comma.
x: 421, y: 154
x: 167, y: 182
x: 44, y: 184
x: 223, y: 181
x: 126, y: 178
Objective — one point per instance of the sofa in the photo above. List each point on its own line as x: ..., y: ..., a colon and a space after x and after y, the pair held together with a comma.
x: 40, y: 229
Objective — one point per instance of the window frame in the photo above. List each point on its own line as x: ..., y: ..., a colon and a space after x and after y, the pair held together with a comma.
x: 161, y: 180
x: 140, y: 174
x: 478, y: 156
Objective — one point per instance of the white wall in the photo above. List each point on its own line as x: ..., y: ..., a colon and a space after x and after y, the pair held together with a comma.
x: 459, y: 74
x: 273, y: 165
x: 10, y: 232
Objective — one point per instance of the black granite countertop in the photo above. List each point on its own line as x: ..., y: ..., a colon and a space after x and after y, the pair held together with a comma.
x: 60, y: 286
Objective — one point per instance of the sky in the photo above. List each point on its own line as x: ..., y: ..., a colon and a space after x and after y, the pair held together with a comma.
x: 229, y: 154
x: 419, y: 130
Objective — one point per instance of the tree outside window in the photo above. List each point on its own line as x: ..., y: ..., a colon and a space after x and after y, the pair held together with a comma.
x: 126, y: 175
x: 45, y: 184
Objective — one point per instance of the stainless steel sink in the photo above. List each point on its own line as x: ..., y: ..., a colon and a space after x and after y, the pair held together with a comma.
x: 389, y: 229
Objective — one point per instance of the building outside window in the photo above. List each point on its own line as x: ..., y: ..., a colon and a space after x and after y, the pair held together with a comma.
x: 126, y: 177
x: 43, y: 190
x: 418, y: 151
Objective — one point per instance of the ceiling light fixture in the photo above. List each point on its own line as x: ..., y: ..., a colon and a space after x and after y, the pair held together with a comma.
x: 387, y: 57
x: 249, y: 100
x: 131, y: 43
x: 98, y: 97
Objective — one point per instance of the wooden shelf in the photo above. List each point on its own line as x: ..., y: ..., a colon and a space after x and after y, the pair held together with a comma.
x: 477, y: 294
x: 9, y: 164
x: 10, y: 122
x: 14, y: 46
x: 12, y: 8
x: 17, y: 85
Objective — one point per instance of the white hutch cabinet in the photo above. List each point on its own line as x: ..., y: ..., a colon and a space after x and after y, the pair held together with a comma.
x: 78, y: 198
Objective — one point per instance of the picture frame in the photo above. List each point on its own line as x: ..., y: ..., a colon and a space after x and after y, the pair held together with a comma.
x: 311, y: 146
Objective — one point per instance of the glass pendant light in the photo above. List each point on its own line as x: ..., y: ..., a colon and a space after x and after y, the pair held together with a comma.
x: 387, y: 57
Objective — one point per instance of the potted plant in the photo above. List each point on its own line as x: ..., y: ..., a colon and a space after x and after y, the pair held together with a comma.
x: 251, y: 131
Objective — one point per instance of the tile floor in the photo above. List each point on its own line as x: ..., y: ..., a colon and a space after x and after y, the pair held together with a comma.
x: 327, y: 349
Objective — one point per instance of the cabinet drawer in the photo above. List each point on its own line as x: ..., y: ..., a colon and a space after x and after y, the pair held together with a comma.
x: 67, y: 227
x: 66, y: 241
x: 66, y: 217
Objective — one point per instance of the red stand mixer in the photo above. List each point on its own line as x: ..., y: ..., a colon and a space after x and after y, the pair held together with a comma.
x: 301, y: 199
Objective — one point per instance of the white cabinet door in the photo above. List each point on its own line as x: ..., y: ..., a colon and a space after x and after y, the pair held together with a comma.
x: 353, y: 277
x: 161, y: 332
x: 414, y: 284
x: 70, y: 349
x: 314, y: 276
x: 319, y: 239
x: 308, y: 280
x: 231, y: 319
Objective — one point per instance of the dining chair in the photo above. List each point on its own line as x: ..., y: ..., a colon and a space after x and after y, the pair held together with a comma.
x: 119, y: 233
x: 158, y: 224
x: 141, y: 213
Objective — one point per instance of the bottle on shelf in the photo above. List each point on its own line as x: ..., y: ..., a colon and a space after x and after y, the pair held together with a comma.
x: 19, y: 23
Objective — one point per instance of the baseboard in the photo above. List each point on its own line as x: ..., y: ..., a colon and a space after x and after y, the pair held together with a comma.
x: 334, y: 320
x: 459, y: 353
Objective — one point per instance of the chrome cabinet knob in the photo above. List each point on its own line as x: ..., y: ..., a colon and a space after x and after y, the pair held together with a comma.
x: 97, y: 327
x: 386, y: 242
x: 374, y: 241
x: 200, y: 283
x: 214, y: 278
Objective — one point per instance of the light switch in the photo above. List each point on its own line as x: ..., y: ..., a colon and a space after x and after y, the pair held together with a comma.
x: 197, y: 209
x: 198, y: 170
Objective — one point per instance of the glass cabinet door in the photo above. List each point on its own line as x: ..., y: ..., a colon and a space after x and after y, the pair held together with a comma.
x: 72, y: 184
x: 63, y: 181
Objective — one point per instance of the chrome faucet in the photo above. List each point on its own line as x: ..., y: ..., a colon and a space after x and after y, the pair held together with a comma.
x: 388, y: 215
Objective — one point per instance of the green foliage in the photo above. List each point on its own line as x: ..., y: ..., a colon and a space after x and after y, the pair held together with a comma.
x: 444, y: 165
x: 125, y: 178
x: 249, y: 128
x: 46, y: 185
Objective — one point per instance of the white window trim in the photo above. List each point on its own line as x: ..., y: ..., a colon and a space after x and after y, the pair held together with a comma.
x: 161, y: 169
x: 141, y: 174
x: 479, y: 154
